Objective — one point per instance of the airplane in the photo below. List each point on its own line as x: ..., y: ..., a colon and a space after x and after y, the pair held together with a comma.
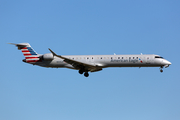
x: 89, y: 63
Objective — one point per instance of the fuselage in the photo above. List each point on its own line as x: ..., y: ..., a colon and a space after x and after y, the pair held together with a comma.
x: 104, y: 61
x: 89, y: 63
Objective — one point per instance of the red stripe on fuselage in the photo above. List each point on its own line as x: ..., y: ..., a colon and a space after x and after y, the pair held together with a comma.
x: 26, y: 54
x: 29, y: 61
x: 31, y: 57
x: 25, y: 50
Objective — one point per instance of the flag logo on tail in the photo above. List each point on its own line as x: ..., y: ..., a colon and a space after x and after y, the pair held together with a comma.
x: 30, y: 54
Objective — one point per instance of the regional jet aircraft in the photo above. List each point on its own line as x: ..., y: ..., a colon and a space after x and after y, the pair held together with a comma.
x: 89, y: 63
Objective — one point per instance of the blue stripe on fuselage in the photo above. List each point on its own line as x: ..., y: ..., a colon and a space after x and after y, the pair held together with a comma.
x: 31, y: 51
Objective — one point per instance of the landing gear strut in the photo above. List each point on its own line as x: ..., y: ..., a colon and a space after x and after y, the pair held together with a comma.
x: 161, y: 69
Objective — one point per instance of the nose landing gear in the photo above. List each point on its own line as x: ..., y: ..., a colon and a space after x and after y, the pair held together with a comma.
x: 161, y: 69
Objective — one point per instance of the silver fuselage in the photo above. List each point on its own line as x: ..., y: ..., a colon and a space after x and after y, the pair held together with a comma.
x: 104, y: 61
x: 89, y: 63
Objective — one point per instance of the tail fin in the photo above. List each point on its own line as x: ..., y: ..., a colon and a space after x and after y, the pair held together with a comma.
x: 30, y: 55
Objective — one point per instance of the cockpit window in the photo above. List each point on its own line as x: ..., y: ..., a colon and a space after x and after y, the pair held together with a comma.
x: 159, y: 57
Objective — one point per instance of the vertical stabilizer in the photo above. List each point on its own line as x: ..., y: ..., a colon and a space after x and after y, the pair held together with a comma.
x: 29, y: 53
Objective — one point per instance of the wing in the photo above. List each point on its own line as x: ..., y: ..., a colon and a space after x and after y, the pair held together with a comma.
x: 77, y: 64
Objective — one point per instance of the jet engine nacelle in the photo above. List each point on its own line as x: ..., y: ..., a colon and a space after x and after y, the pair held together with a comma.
x: 48, y: 56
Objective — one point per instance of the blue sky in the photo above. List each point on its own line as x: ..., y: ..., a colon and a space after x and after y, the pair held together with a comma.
x: 89, y: 27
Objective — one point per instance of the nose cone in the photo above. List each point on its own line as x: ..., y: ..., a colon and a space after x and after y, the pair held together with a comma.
x: 165, y: 62
x: 169, y: 63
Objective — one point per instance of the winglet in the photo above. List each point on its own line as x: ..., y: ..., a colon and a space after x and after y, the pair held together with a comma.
x: 52, y: 52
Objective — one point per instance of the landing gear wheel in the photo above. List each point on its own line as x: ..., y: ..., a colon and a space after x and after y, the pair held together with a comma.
x: 81, y: 71
x: 86, y: 74
x: 161, y: 71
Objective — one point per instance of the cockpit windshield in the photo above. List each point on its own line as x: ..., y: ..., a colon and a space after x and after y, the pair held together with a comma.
x: 159, y: 57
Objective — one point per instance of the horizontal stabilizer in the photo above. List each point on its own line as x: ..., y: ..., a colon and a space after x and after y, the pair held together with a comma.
x: 20, y: 45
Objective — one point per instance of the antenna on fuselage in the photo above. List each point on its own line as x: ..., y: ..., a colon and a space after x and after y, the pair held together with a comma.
x: 141, y: 54
x: 114, y: 53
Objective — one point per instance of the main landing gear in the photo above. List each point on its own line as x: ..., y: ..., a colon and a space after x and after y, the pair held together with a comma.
x: 86, y: 74
x: 161, y: 69
x: 81, y: 71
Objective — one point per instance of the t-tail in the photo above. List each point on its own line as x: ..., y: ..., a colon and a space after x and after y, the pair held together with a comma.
x: 31, y: 56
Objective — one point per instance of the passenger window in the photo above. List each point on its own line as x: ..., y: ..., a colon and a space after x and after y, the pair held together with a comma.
x: 122, y: 57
